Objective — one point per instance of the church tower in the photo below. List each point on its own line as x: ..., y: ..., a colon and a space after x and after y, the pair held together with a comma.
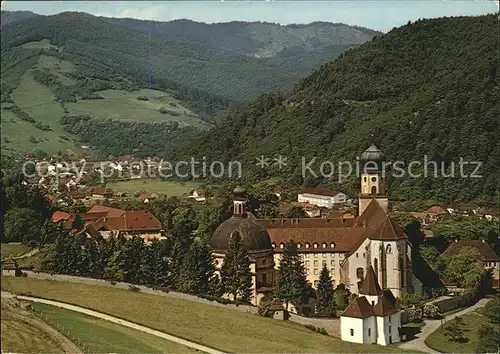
x: 373, y: 184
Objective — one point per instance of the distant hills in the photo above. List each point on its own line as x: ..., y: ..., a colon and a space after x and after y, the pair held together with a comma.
x: 429, y: 88
x: 89, y: 69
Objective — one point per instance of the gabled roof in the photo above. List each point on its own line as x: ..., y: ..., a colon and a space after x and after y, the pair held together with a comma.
x: 358, y: 308
x: 110, y: 212
x: 488, y: 254
x: 130, y: 220
x: 387, y: 230
x: 436, y: 209
x: 383, y: 307
x: 370, y: 284
x: 61, y: 216
x: 488, y: 211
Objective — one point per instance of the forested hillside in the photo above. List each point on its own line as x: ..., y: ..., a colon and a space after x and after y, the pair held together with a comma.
x: 427, y: 88
x: 259, y: 39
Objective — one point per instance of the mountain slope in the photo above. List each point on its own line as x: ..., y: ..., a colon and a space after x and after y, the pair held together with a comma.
x: 259, y: 39
x: 13, y: 16
x: 427, y: 88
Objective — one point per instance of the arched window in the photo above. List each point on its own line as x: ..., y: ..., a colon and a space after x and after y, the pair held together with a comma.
x: 264, y: 262
x: 360, y: 273
x: 388, y: 249
x: 364, y: 179
x: 307, y: 245
x: 374, y: 190
x: 332, y: 245
x: 299, y: 245
x: 324, y: 245
x: 401, y: 273
x: 315, y: 245
x: 375, y: 267
x: 282, y: 245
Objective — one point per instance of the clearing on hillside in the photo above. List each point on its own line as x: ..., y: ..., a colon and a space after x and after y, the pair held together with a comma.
x: 222, y: 328
x: 144, y: 105
x: 43, y: 44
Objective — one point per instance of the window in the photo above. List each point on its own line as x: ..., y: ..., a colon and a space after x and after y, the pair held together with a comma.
x: 316, y: 272
x: 274, y: 245
x: 352, y: 332
x: 388, y: 249
x: 307, y: 245
x: 281, y: 245
x: 323, y: 262
x: 332, y: 245
x: 324, y: 245
x: 299, y: 245
x: 315, y: 263
x: 315, y: 245
x: 307, y: 255
x: 307, y: 263
x: 315, y: 283
x: 307, y: 271
x: 373, y: 303
x: 369, y: 332
x: 332, y: 262
x: 341, y: 255
x: 364, y: 179
x: 390, y: 318
x: 324, y: 255
x: 315, y: 255
x: 364, y: 255
x: 332, y: 271
x: 389, y: 329
x: 357, y: 255
x: 264, y: 262
x: 374, y: 179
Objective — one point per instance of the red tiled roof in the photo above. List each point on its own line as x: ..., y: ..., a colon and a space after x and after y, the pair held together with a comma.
x: 358, y: 308
x: 383, y: 307
x: 92, y: 216
x: 488, y: 254
x: 61, y: 215
x: 130, y: 220
x: 304, y: 223
x: 489, y: 211
x: 436, y: 209
x: 319, y: 191
x: 110, y: 212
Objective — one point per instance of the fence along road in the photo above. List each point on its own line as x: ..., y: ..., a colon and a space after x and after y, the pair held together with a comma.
x: 121, y: 322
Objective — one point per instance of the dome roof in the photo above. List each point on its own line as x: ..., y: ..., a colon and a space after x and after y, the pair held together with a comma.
x: 373, y: 153
x: 253, y: 235
x: 239, y: 191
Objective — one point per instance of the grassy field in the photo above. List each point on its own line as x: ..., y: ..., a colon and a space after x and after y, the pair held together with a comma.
x: 21, y: 337
x: 170, y: 188
x: 226, y: 329
x: 473, y: 321
x: 14, y: 249
x: 94, y: 335
x: 57, y: 67
x: 38, y: 101
x: 124, y: 105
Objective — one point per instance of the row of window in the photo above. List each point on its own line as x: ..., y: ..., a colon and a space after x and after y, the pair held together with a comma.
x: 323, y: 255
x: 370, y: 331
x: 308, y: 245
x: 316, y: 271
x: 315, y: 263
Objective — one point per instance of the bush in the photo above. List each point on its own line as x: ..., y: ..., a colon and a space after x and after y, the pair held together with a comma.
x: 143, y: 98
x: 264, y: 309
x: 320, y: 330
x: 414, y: 314
x: 431, y: 311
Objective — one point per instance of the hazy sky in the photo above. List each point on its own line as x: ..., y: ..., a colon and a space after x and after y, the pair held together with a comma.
x: 380, y: 15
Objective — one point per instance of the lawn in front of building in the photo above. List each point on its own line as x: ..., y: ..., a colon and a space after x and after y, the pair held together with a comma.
x: 94, y: 335
x: 150, y: 186
x: 222, y: 328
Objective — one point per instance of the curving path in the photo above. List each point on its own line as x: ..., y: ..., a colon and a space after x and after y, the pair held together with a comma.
x: 119, y: 321
x: 432, y: 325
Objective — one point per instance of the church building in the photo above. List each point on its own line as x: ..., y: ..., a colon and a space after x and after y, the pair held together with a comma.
x: 349, y: 247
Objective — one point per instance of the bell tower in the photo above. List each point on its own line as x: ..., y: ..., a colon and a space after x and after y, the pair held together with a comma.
x: 373, y: 185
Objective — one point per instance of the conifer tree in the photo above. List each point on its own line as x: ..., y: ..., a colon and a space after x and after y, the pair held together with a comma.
x: 325, y: 304
x: 236, y: 278
x: 197, y: 270
x: 291, y: 285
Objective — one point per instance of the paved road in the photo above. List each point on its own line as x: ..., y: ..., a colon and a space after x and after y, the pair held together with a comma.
x: 432, y: 325
x: 123, y: 323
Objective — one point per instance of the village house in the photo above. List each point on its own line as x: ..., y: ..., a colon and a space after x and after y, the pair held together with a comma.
x: 199, y: 194
x: 463, y: 209
x: 322, y: 197
x: 488, y: 255
x: 101, y: 193
x: 489, y: 213
x: 435, y: 212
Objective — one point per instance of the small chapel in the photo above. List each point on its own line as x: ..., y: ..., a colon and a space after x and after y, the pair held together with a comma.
x: 373, y: 316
